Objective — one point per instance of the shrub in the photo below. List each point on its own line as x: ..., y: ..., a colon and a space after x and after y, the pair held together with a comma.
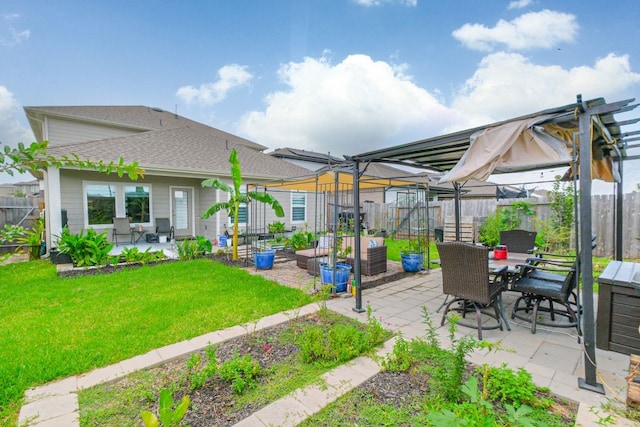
x: 241, y: 372
x: 86, y: 250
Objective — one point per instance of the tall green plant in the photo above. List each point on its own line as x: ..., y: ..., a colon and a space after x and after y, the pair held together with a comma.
x: 86, y: 249
x: 236, y: 198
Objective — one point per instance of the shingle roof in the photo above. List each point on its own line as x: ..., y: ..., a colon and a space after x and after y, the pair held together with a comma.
x: 183, y: 151
x: 136, y: 117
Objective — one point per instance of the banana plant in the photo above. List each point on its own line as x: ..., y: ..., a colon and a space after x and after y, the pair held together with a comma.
x: 236, y: 198
x: 168, y: 417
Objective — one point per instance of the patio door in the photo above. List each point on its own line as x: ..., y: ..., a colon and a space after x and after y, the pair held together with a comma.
x: 182, y: 211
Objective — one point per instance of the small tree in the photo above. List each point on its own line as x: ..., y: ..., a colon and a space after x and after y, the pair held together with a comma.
x: 236, y: 198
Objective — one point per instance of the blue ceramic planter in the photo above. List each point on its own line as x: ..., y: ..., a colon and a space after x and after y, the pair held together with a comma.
x: 412, y: 262
x: 264, y: 259
x: 343, y: 271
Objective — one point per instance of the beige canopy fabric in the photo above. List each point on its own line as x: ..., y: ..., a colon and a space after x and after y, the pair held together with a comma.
x: 511, y: 147
x: 522, y: 145
x: 326, y: 181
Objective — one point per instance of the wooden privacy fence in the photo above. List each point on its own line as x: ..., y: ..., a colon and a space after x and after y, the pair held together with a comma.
x: 379, y: 217
x: 19, y: 210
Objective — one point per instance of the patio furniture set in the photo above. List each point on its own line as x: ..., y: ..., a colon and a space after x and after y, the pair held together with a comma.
x: 476, y: 279
x: 122, y: 227
x: 373, y: 254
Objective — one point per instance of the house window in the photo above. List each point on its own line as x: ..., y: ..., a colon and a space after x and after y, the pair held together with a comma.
x: 136, y: 202
x: 101, y: 203
x: 298, y: 207
x: 243, y: 215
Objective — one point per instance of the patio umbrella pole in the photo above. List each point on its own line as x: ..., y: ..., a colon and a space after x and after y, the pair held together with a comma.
x: 356, y: 240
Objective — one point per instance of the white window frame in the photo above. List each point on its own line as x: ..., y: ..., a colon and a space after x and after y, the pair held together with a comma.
x: 303, y: 193
x: 230, y: 218
x: 120, y: 203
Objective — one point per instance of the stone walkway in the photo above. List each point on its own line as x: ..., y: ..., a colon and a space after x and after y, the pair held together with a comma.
x: 552, y: 355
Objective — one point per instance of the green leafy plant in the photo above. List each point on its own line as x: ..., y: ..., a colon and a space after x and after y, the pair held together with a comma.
x: 489, y: 231
x: 133, y: 254
x: 416, y: 245
x: 237, y: 198
x: 87, y: 249
x: 31, y: 239
x: 341, y: 343
x: 199, y: 371
x: 399, y: 360
x: 517, y: 388
x: 301, y: 239
x: 276, y: 227
x: 34, y: 157
x: 191, y: 249
x: 510, y: 216
x: 167, y: 416
x: 241, y: 372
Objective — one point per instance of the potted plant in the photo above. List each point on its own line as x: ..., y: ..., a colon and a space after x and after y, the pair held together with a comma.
x: 264, y: 259
x: 336, y: 273
x: 412, y: 254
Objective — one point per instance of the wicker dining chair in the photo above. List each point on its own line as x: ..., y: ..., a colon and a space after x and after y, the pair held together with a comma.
x: 519, y: 241
x: 547, y: 283
x: 466, y: 276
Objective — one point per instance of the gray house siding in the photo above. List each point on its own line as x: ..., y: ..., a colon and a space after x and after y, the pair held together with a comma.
x: 65, y: 131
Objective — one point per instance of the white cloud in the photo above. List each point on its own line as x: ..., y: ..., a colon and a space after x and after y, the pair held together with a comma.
x: 543, y: 29
x: 12, y: 37
x: 519, y: 4
x: 352, y: 107
x: 506, y: 85
x: 229, y: 77
x: 369, y: 3
x: 11, y: 130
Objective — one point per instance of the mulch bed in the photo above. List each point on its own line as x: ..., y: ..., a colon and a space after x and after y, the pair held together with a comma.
x: 215, y: 404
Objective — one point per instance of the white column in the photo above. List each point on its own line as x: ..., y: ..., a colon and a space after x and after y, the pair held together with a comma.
x: 53, y: 205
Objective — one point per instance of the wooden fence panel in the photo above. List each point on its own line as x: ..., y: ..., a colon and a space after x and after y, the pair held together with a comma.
x: 19, y: 210
x: 382, y: 216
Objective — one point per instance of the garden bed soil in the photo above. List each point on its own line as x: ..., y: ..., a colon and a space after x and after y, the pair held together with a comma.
x: 215, y: 404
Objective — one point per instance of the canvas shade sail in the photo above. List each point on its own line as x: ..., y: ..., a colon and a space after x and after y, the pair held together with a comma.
x: 522, y: 145
x: 327, y: 182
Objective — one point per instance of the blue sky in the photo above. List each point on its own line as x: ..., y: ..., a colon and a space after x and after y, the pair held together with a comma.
x: 338, y: 76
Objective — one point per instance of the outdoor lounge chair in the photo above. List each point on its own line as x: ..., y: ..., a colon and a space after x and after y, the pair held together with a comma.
x: 163, y: 226
x: 122, y: 227
x: 373, y: 255
x: 519, y: 241
x: 466, y: 276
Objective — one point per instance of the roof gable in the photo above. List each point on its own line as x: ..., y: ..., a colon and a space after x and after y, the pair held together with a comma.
x: 136, y: 118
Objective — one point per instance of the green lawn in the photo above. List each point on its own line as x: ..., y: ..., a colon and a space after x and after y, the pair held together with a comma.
x: 52, y: 328
x: 394, y: 246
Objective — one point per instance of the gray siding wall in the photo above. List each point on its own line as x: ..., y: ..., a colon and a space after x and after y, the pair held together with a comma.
x: 72, y: 200
x: 64, y: 132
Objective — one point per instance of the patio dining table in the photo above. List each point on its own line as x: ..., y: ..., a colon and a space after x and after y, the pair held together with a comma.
x: 512, y: 261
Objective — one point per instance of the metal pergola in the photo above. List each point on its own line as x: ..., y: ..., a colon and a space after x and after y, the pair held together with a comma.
x: 441, y: 154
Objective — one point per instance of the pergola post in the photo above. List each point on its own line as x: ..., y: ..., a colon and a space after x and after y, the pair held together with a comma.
x: 357, y: 274
x: 619, y: 199
x: 589, y: 381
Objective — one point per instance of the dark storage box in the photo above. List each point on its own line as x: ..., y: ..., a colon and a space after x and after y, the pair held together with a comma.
x: 59, y: 258
x: 619, y: 308
x: 152, y: 238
